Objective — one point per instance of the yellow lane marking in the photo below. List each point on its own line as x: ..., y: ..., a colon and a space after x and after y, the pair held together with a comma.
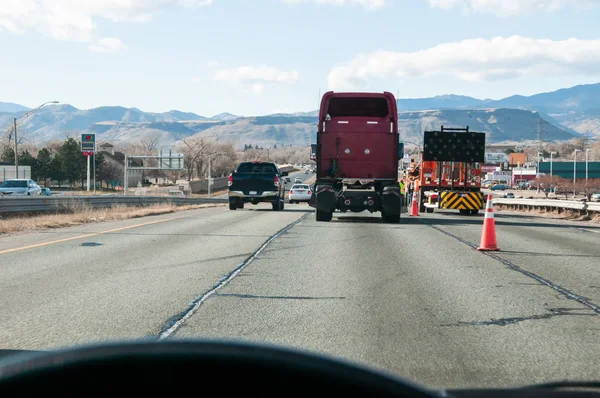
x: 86, y: 235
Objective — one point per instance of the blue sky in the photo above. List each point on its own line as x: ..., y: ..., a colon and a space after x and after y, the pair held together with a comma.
x: 265, y: 56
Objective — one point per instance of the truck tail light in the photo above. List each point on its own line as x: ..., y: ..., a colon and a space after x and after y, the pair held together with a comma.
x: 229, y: 180
x: 276, y: 181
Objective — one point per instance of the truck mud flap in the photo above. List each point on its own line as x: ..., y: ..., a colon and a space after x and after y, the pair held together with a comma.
x: 323, y: 199
x: 391, y: 200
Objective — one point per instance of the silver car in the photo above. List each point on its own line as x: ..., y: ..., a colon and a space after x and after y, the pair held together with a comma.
x: 300, y: 193
x: 20, y: 187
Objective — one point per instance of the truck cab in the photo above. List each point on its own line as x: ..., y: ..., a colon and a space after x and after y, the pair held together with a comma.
x: 357, y: 154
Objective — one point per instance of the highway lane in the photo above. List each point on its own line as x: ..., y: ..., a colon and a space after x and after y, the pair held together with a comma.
x: 128, y: 282
x: 413, y: 298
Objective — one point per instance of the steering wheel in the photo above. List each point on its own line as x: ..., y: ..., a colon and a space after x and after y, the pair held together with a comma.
x: 200, y: 366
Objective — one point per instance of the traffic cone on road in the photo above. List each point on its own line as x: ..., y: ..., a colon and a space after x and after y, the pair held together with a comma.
x: 488, y: 234
x: 414, y: 210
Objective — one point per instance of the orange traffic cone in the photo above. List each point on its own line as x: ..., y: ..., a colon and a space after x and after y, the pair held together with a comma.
x: 414, y: 211
x: 488, y: 234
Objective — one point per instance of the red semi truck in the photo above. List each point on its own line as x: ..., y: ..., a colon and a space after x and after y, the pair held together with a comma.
x: 357, y: 154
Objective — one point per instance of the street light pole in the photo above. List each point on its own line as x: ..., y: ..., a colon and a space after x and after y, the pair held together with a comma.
x: 209, y: 169
x: 538, y: 171
x: 208, y: 182
x: 28, y: 113
x: 586, y: 168
x: 575, y: 170
x: 16, y: 149
x: 551, y: 177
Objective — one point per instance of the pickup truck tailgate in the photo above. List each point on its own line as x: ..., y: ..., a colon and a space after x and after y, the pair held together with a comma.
x: 253, y: 183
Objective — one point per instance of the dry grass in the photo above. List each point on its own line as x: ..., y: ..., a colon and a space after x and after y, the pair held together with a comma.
x: 564, y: 215
x: 86, y: 215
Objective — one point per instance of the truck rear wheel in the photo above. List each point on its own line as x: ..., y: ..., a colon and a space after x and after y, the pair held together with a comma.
x: 421, y: 200
x: 232, y: 206
x: 324, y: 215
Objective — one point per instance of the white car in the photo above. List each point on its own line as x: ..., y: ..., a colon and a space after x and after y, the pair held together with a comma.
x: 298, y: 180
x: 20, y: 187
x: 300, y: 193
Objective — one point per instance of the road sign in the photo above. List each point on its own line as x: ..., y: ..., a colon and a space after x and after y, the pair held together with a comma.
x: 88, y: 142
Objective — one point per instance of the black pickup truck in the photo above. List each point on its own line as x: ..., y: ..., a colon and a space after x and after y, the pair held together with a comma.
x: 256, y: 182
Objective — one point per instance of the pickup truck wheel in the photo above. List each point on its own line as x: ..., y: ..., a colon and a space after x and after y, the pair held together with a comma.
x: 240, y: 205
x: 232, y: 206
x: 323, y: 215
x: 277, y: 205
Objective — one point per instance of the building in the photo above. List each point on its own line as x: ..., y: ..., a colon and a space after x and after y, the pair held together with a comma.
x: 116, y: 160
x: 523, y: 174
x: 566, y: 169
x: 517, y: 158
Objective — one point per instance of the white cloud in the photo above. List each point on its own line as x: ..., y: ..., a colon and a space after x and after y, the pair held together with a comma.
x: 368, y: 4
x: 506, y: 8
x: 256, y: 77
x: 107, y: 45
x: 76, y: 20
x: 499, y: 58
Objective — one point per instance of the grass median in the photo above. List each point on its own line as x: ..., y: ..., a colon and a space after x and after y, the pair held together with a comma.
x: 82, y: 215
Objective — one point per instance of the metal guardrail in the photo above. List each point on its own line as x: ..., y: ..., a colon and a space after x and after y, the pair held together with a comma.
x: 551, y: 204
x: 49, y: 204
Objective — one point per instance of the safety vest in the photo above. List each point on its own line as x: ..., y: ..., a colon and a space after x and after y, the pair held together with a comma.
x: 401, y: 187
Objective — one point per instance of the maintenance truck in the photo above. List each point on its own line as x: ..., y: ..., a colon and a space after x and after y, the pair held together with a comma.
x: 449, y: 173
x: 357, y: 154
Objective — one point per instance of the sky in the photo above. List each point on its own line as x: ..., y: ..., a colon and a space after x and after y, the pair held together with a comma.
x: 256, y: 57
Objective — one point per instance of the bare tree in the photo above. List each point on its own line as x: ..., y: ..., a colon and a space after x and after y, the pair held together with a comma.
x: 193, y: 150
x: 150, y: 141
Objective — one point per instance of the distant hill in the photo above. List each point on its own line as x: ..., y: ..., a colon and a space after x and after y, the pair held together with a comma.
x: 225, y: 116
x: 575, y: 107
x: 562, y: 114
x: 501, y: 125
x: 438, y: 102
x: 9, y: 107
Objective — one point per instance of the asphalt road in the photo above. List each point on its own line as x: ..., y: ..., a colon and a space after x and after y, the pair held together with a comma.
x: 413, y: 298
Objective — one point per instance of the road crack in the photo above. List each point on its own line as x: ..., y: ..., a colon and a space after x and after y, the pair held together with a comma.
x: 175, y: 322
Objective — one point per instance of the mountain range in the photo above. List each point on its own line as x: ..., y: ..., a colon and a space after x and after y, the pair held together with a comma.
x: 559, y: 115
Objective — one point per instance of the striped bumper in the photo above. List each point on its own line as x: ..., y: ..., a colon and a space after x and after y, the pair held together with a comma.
x: 461, y: 200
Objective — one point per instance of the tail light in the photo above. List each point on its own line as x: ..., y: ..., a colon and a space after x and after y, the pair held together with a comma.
x: 291, y: 191
x: 310, y: 193
x: 229, y: 180
x: 276, y: 181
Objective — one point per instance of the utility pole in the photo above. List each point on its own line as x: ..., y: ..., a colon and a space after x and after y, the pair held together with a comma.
x: 16, y: 153
x: 539, y: 135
